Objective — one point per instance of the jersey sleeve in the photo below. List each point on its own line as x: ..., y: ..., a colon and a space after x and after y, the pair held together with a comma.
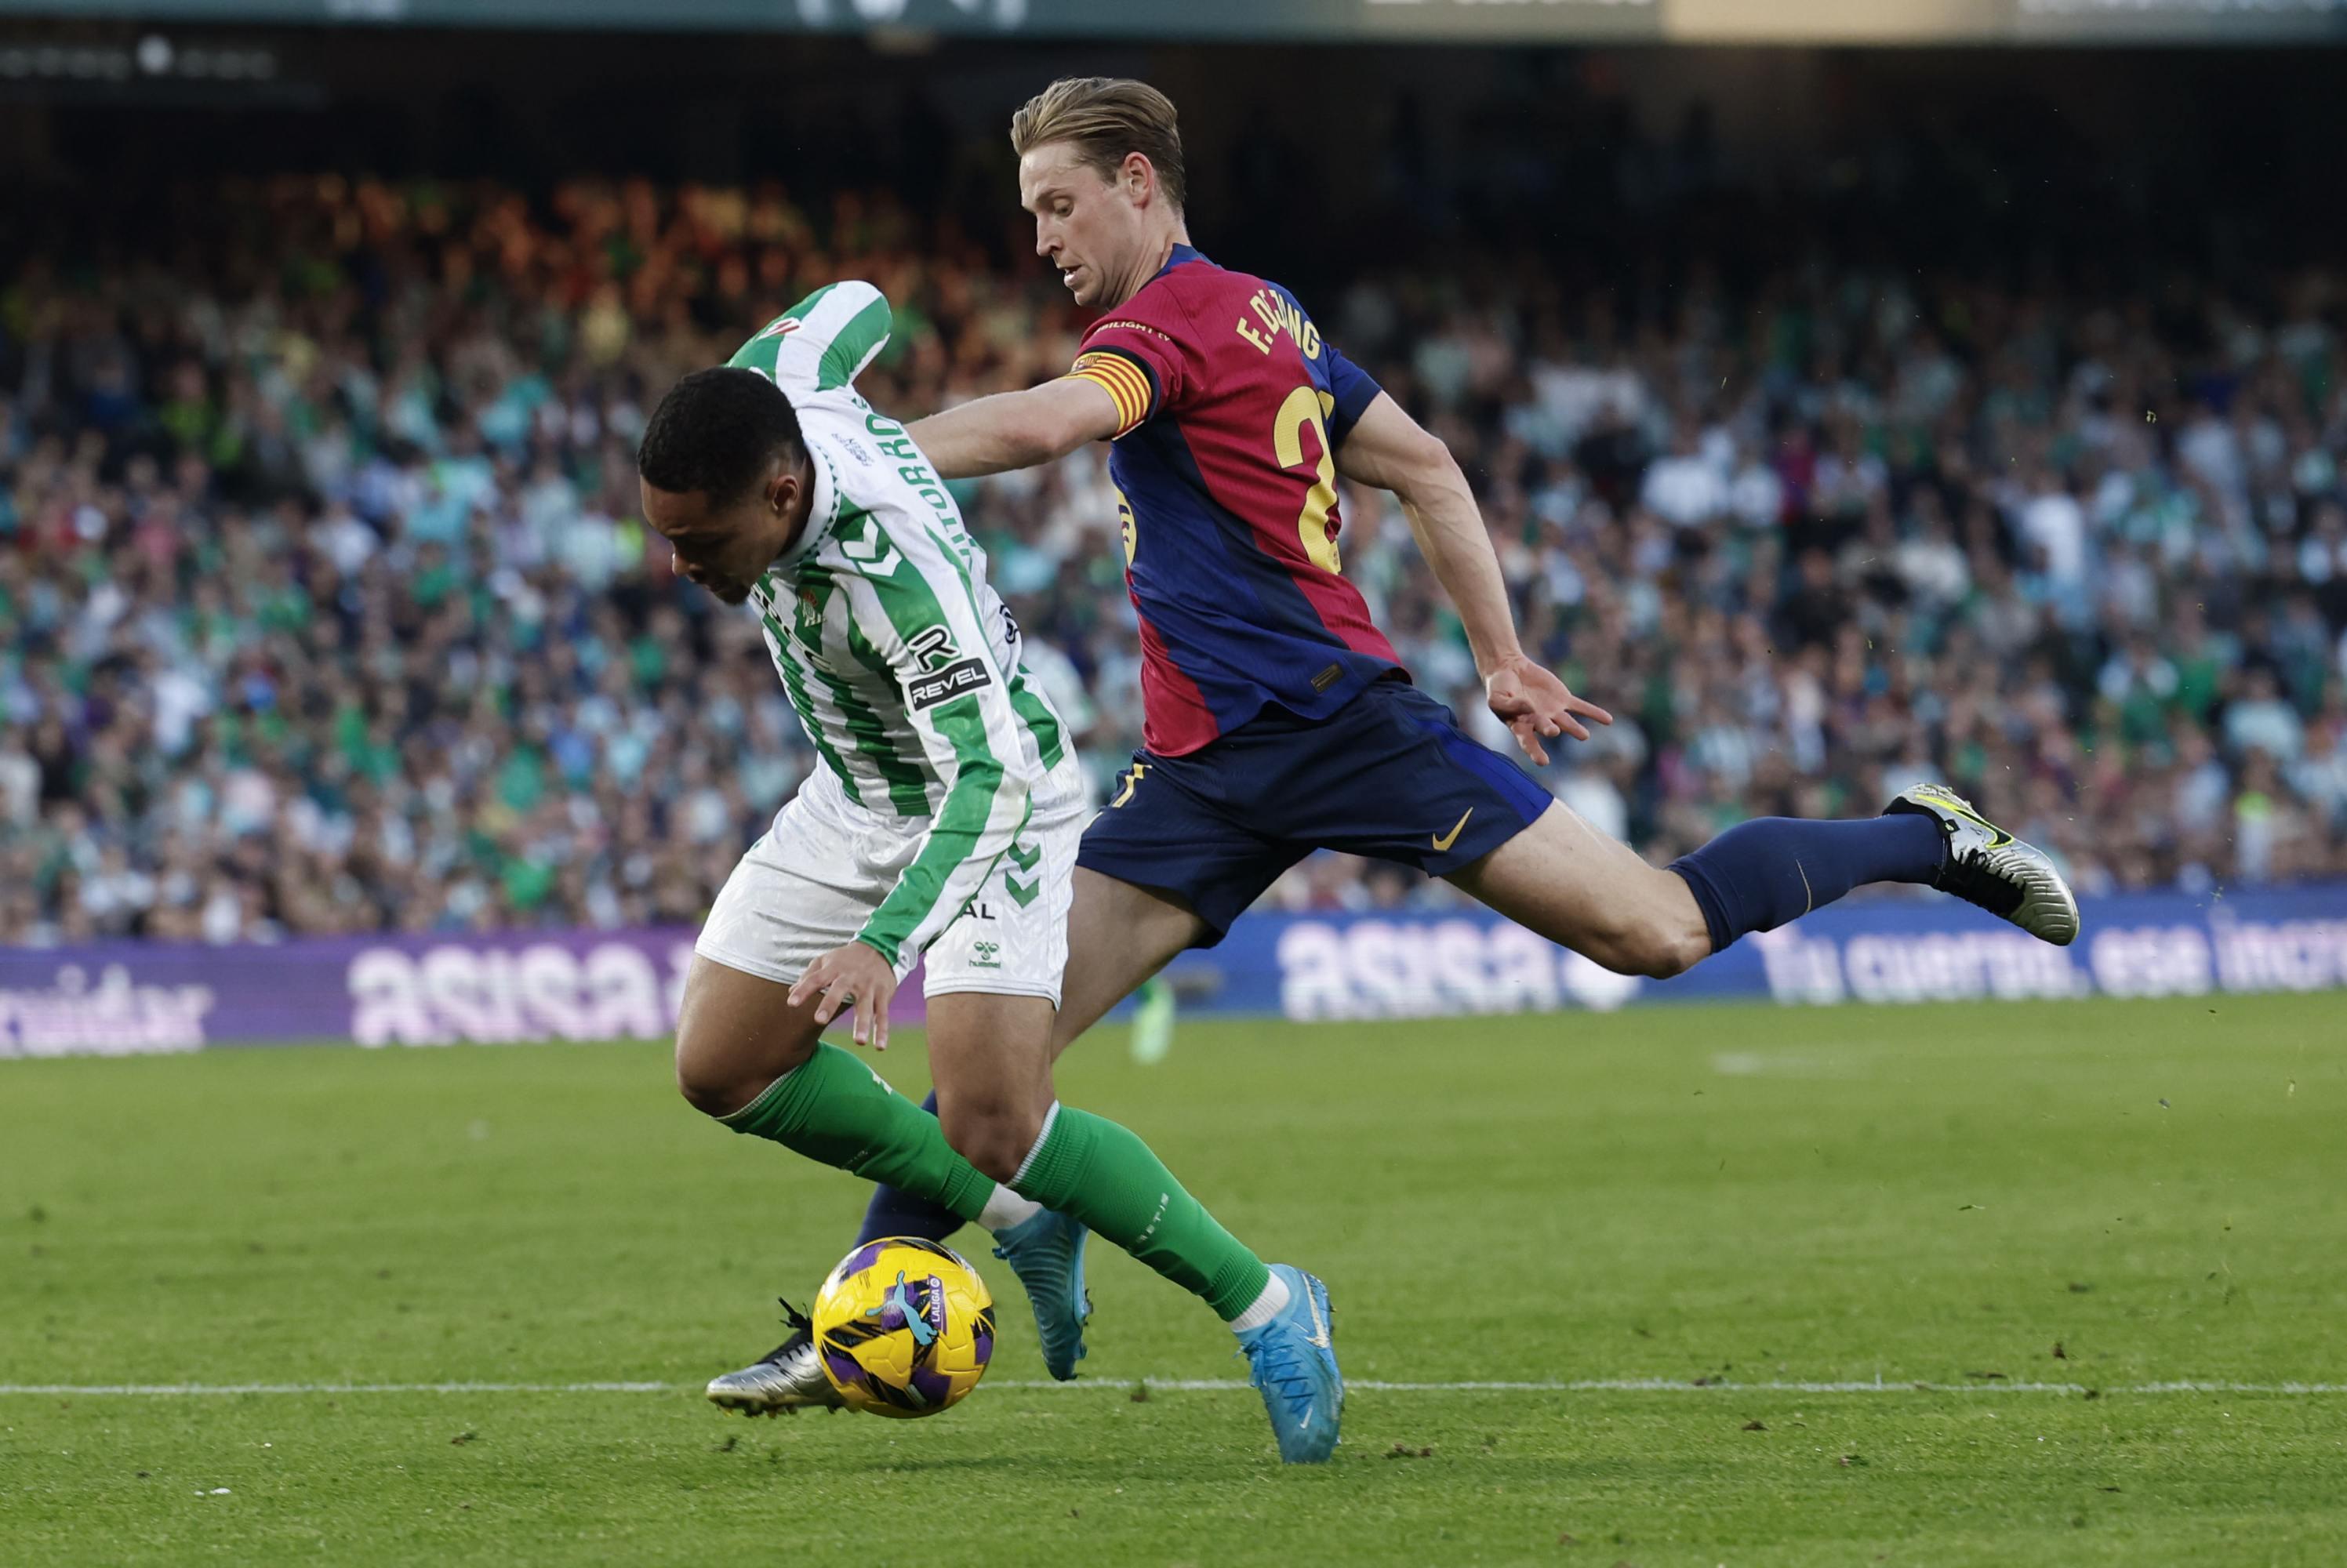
x: 824, y: 342
x: 1353, y: 390
x: 920, y: 619
x: 1140, y: 366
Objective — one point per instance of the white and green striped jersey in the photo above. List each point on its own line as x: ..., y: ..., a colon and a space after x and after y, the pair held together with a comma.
x: 902, y: 662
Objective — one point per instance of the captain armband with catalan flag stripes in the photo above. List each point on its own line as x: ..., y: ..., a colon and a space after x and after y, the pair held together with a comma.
x: 1124, y: 380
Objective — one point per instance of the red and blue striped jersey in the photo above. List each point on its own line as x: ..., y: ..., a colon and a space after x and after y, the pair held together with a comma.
x: 1231, y: 407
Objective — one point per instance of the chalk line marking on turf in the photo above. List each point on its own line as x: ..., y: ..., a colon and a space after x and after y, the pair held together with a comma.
x: 1210, y: 1385
x: 70, y: 1390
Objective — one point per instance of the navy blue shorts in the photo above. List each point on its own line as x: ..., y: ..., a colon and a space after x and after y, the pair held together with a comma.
x: 1389, y: 775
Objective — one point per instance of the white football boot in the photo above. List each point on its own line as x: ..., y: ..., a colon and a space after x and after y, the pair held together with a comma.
x: 1988, y: 866
x: 789, y: 1378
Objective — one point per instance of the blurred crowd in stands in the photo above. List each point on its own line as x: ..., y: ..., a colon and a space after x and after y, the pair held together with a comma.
x: 325, y: 605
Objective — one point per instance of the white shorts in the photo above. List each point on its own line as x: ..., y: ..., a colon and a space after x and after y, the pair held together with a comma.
x: 812, y: 880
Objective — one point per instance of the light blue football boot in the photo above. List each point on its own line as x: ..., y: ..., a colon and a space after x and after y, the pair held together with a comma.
x: 1046, y: 1251
x: 1293, y: 1363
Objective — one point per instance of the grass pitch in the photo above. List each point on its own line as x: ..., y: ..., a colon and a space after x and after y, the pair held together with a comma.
x: 2042, y: 1212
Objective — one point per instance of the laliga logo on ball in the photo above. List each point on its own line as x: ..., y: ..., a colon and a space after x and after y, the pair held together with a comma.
x: 898, y: 1312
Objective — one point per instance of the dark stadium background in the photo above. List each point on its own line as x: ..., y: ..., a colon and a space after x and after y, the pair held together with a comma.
x: 1319, y: 158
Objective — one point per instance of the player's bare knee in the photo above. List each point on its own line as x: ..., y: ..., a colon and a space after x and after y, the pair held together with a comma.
x: 1666, y: 948
x: 994, y: 1138
x: 1665, y: 953
x: 701, y: 1072
x: 992, y: 1156
x: 1658, y: 935
x: 706, y: 1086
x: 996, y: 1153
x: 1648, y: 945
x: 718, y: 1083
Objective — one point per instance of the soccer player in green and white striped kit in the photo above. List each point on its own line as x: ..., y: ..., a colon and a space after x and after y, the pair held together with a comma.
x: 944, y: 821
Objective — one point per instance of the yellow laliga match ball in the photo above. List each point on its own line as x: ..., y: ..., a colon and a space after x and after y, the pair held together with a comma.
x: 903, y: 1327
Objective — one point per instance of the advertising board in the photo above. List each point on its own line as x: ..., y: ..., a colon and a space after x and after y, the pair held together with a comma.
x: 125, y: 999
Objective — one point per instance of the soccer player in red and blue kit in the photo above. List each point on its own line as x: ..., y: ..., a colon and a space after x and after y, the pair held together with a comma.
x: 1279, y: 720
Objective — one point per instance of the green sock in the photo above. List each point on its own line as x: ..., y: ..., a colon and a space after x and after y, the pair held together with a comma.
x: 1099, y: 1173
x: 834, y: 1110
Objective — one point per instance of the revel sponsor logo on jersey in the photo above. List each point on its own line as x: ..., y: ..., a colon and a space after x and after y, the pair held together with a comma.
x: 967, y: 675
x: 934, y: 647
x: 948, y: 674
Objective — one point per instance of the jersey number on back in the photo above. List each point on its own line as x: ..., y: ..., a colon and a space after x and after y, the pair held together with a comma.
x: 1307, y: 407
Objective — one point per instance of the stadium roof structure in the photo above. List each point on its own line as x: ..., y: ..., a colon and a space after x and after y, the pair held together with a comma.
x: 2132, y: 22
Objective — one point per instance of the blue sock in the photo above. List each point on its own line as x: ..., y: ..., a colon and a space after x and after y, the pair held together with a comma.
x: 1761, y: 873
x: 893, y: 1213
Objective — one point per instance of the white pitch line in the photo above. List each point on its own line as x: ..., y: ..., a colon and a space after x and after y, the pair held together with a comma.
x: 1211, y: 1385
x: 69, y: 1390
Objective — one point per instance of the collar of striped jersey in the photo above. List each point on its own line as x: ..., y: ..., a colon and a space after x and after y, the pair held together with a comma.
x: 823, y: 509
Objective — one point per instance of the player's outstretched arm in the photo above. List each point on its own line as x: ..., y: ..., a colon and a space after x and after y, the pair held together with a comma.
x: 1016, y: 429
x: 1388, y: 450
